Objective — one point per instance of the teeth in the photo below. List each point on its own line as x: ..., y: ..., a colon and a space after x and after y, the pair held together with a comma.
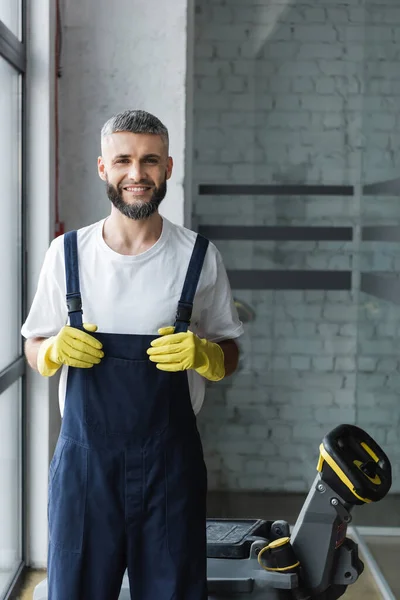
x: 136, y: 189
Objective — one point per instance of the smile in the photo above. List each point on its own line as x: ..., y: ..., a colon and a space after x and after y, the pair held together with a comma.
x: 136, y: 189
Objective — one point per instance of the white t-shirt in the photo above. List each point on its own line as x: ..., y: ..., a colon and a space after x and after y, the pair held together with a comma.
x: 135, y: 294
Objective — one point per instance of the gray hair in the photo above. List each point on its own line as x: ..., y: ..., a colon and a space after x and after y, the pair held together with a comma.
x: 135, y: 121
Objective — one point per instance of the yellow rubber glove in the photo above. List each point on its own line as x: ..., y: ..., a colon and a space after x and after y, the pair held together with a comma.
x: 181, y: 351
x: 71, y: 347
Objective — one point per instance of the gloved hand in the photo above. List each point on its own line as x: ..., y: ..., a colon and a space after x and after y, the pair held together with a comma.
x: 71, y: 347
x: 181, y: 351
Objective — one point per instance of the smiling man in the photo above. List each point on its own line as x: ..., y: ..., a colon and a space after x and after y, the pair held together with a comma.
x: 138, y: 314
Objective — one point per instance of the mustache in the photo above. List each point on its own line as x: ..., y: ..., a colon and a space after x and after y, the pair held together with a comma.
x: 145, y: 182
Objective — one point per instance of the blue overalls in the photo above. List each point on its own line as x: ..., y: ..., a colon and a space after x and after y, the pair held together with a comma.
x: 127, y: 482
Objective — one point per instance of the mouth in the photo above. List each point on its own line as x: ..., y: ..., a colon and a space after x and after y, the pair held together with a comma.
x: 137, y: 190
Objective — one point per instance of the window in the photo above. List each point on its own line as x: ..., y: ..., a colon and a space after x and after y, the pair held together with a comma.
x: 12, y: 251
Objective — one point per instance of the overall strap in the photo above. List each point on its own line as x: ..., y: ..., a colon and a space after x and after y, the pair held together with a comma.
x: 185, y: 305
x: 74, y: 300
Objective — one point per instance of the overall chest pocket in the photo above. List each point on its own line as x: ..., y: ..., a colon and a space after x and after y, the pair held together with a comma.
x: 127, y: 397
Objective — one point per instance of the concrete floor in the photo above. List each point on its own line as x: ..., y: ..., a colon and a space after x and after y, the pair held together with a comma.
x: 386, y: 552
x: 279, y: 506
x: 364, y: 589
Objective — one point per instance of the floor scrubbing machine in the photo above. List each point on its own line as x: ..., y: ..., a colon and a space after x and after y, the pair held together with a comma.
x: 250, y: 559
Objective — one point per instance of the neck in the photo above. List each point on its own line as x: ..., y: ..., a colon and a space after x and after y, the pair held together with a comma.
x: 130, y: 237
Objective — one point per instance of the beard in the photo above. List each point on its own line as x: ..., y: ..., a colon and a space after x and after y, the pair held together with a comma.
x: 139, y: 209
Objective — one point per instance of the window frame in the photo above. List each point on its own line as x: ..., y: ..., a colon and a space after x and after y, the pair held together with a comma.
x: 13, y: 51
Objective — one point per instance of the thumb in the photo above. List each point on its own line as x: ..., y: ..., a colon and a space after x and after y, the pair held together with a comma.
x: 90, y: 327
x: 166, y: 330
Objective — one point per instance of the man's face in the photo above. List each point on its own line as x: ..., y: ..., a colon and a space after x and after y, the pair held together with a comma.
x: 135, y: 167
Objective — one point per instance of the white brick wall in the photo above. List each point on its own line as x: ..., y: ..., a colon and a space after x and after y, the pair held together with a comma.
x: 300, y: 92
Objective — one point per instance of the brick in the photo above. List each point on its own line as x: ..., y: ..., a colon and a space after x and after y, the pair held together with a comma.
x: 349, y: 329
x: 367, y: 381
x: 213, y: 102
x: 284, y: 328
x: 387, y: 330
x: 388, y: 365
x: 322, y: 363
x: 213, y: 67
x: 246, y: 102
x: 321, y: 50
x: 344, y: 397
x: 210, y: 84
x: 258, y: 432
x: 282, y: 51
x: 381, y: 122
x: 309, y: 398
x: 259, y: 483
x: 375, y: 417
x: 340, y: 345
x: 295, y: 413
x: 303, y: 84
x: 339, y: 67
x: 307, y: 68
x: 349, y: 380
x: 291, y: 450
x: 287, y: 120
x: 301, y: 311
x: 296, y: 485
x: 213, y: 173
x: 207, y: 156
x: 249, y: 447
x: 299, y: 346
x: 328, y: 329
x: 206, y: 119
x: 256, y: 467
x: 233, y: 462
x: 325, y: 381
x: 333, y: 121
x: 286, y: 102
x: 356, y: 15
x: 242, y: 14
x: 338, y: 314
x: 288, y: 297
x: 219, y: 32
x: 224, y: 15
x: 335, y: 416
x: 310, y: 33
x: 345, y: 363
x: 337, y: 15
x: 314, y: 15
x: 325, y: 85
x: 204, y: 50
x: 281, y: 433
x: 377, y: 347
x: 226, y: 50
x: 235, y: 83
x: 213, y: 462
x: 280, y: 363
x: 309, y: 432
x: 313, y: 102
x: 306, y: 329
x: 214, y: 480
x: 392, y: 382
x: 367, y: 364
x: 391, y: 15
x: 351, y: 34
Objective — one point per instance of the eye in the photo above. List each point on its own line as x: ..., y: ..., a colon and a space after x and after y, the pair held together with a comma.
x: 122, y: 160
x: 152, y: 161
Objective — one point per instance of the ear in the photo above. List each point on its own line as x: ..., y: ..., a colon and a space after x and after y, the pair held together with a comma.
x: 101, y: 168
x: 170, y: 164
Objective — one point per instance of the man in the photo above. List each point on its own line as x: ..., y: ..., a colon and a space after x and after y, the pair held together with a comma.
x: 127, y: 482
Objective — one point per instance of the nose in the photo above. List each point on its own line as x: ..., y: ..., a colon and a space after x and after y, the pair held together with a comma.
x: 136, y: 171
